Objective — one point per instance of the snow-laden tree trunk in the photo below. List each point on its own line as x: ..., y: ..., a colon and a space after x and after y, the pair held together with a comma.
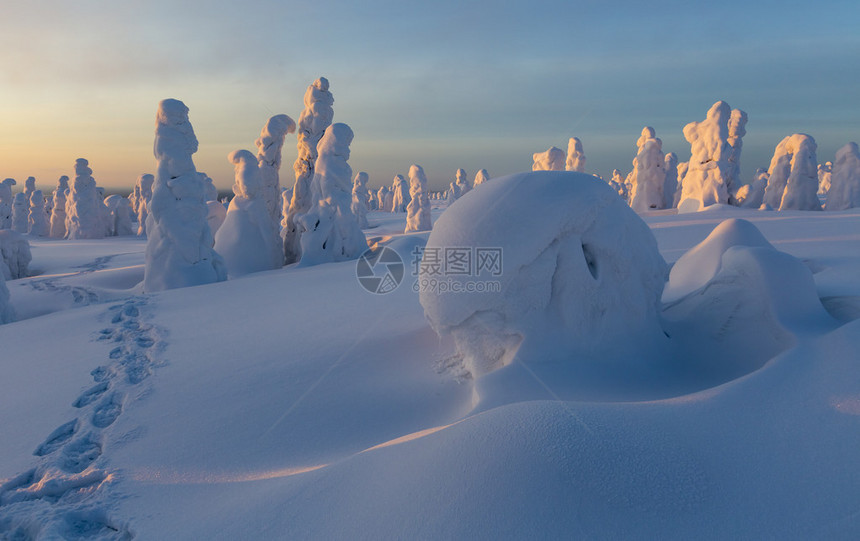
x: 20, y: 213
x: 575, y: 156
x: 6, y: 202
x: 844, y: 190
x: 83, y: 207
x: 481, y: 177
x: 269, y: 146
x: 145, y: 183
x: 553, y: 159
x: 37, y: 220
x: 649, y: 176
x: 58, y: 212
x: 400, y: 194
x: 715, y: 159
x: 329, y: 230
x: 314, y: 120
x: 418, y: 210
x: 179, y: 246
x: 793, y: 175
x: 360, y: 198
x: 246, y: 240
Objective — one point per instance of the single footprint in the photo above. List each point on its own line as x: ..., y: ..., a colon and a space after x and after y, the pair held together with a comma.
x: 80, y: 453
x: 107, y: 411
x: 91, y: 395
x: 57, y: 438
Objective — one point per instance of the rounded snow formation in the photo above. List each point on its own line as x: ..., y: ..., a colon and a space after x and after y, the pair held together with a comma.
x: 702, y: 262
x: 736, y: 288
x: 561, y: 269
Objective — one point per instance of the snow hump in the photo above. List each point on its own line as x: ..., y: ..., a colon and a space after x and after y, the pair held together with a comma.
x: 579, y: 275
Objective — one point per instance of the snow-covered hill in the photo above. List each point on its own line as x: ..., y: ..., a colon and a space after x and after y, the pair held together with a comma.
x: 294, y: 404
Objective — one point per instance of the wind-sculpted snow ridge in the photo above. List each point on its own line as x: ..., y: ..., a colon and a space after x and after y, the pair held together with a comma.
x: 70, y: 492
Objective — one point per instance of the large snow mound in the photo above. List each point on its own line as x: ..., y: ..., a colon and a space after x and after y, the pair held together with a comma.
x: 578, y: 269
x: 736, y: 288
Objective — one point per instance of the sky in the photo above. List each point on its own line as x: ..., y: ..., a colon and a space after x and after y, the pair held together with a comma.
x: 444, y: 84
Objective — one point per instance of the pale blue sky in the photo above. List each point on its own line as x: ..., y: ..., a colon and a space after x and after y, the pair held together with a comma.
x: 443, y: 84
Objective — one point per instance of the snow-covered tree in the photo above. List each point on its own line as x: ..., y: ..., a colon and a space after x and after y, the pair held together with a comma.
x: 29, y: 187
x: 83, y: 207
x: 6, y: 201
x: 179, y: 247
x: 551, y: 160
x: 844, y: 190
x: 20, y: 213
x: 269, y: 146
x: 120, y: 215
x: 481, y: 177
x: 286, y: 198
x: 314, y: 120
x: 671, y: 184
x: 575, y: 156
x: 382, y: 199
x: 793, y: 175
x: 144, y: 183
x: 15, y: 255
x: 37, y: 220
x: 682, y: 172
x: 737, y: 129
x: 710, y: 169
x: 453, y: 192
x: 462, y: 182
x: 751, y: 195
x: 104, y: 213
x: 618, y: 184
x: 210, y: 192
x: 58, y: 212
x: 330, y: 231
x: 360, y: 198
x: 825, y: 174
x: 400, y: 194
x: 649, y: 173
x: 418, y: 210
x: 247, y: 240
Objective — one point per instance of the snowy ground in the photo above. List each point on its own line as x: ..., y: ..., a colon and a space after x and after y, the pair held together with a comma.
x: 260, y: 408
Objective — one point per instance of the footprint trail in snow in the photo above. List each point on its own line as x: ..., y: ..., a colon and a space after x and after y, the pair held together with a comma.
x: 68, y: 494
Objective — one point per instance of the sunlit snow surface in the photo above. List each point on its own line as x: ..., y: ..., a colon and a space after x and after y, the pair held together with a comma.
x: 294, y: 404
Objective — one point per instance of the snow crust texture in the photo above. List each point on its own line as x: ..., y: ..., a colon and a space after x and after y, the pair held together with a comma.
x: 580, y: 271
